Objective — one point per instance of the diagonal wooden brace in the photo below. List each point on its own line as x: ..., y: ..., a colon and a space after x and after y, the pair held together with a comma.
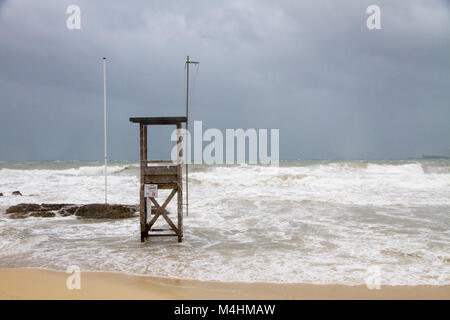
x: 160, y: 210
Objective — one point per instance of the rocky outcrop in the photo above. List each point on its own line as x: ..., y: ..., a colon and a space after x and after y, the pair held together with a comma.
x: 1, y: 194
x: 68, y: 211
x: 42, y: 214
x: 23, y: 208
x: 93, y: 211
x: 105, y: 211
x: 16, y: 193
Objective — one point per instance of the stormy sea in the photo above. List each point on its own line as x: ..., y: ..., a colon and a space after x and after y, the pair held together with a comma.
x: 320, y: 222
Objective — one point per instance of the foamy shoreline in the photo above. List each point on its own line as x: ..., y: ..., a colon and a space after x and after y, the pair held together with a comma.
x: 306, y: 222
x: 46, y: 284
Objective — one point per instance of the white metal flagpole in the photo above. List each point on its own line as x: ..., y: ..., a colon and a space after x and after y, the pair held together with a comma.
x: 188, y: 62
x: 104, y: 124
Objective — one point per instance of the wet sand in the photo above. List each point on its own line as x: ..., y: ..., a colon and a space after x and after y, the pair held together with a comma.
x: 46, y: 284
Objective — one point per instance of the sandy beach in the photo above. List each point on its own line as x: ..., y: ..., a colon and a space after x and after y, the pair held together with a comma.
x: 45, y: 284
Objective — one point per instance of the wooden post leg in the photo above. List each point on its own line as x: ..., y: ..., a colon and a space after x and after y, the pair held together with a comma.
x: 142, y: 207
x: 180, y: 184
x: 144, y: 231
x: 180, y: 214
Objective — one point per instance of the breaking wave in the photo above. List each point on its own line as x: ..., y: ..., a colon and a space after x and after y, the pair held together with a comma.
x: 309, y: 222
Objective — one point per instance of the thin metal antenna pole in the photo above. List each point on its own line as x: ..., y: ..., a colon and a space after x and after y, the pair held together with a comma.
x: 104, y: 124
x: 187, y: 128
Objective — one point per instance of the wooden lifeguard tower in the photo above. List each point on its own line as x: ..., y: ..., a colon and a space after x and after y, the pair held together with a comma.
x: 161, y: 174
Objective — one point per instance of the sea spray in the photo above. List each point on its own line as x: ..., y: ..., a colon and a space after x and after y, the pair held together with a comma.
x: 304, y: 222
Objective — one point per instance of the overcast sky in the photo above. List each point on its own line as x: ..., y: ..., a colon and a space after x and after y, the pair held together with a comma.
x: 334, y: 88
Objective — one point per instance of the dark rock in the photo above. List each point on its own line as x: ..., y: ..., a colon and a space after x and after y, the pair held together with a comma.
x: 95, y: 211
x: 55, y: 206
x: 42, y: 214
x: 1, y: 194
x: 105, y: 211
x: 18, y: 215
x: 23, y: 208
x: 16, y: 193
x: 153, y: 211
x: 69, y: 211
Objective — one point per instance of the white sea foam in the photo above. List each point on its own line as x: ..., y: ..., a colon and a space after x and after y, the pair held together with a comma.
x: 309, y: 222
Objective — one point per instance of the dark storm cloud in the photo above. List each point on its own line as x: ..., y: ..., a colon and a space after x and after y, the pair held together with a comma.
x: 311, y: 68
